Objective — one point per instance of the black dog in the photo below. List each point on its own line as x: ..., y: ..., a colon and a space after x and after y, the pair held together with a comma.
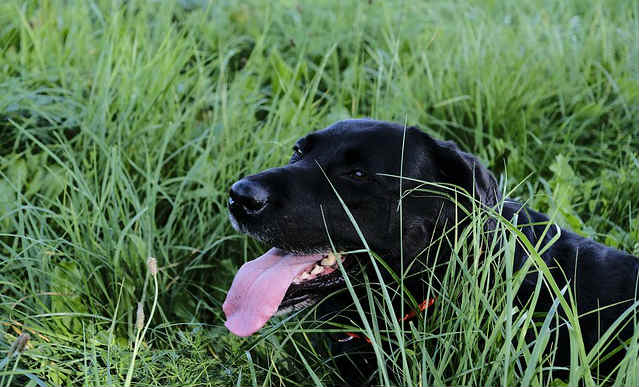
x: 295, y: 209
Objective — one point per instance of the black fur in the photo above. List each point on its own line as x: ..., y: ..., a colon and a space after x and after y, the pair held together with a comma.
x: 285, y: 207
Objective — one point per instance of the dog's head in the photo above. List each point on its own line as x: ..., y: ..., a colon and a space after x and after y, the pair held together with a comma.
x: 299, y: 210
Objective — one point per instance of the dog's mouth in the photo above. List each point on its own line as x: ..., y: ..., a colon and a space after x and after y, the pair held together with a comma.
x: 278, y: 282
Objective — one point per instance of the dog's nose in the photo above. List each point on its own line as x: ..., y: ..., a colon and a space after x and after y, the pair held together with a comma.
x: 248, y: 196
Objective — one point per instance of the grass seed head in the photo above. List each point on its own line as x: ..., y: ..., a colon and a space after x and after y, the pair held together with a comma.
x: 152, y: 264
x: 20, y: 343
x: 139, y: 322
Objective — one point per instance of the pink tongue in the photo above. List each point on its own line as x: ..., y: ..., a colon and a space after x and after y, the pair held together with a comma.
x: 259, y: 287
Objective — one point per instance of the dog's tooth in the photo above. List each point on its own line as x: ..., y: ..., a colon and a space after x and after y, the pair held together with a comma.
x: 316, y: 270
x: 329, y: 260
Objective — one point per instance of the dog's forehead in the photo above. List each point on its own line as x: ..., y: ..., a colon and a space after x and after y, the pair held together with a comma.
x: 363, y: 127
x: 358, y: 134
x: 378, y: 145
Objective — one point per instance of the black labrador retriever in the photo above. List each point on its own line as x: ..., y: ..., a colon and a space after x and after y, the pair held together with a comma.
x: 295, y: 209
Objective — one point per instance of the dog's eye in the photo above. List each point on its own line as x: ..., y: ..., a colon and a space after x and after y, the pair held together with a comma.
x: 358, y: 174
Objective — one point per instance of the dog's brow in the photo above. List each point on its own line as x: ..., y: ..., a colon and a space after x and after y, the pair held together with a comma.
x: 352, y: 156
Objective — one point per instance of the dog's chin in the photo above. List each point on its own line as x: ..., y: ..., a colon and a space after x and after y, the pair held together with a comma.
x: 290, y: 305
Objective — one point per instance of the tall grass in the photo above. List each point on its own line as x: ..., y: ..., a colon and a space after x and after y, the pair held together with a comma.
x: 477, y: 333
x: 122, y: 124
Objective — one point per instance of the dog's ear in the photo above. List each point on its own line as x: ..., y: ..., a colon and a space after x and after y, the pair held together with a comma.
x: 462, y: 169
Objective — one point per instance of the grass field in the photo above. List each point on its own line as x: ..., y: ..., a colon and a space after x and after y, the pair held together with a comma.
x: 122, y: 125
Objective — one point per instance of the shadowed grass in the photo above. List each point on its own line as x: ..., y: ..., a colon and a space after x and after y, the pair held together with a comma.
x: 122, y: 125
